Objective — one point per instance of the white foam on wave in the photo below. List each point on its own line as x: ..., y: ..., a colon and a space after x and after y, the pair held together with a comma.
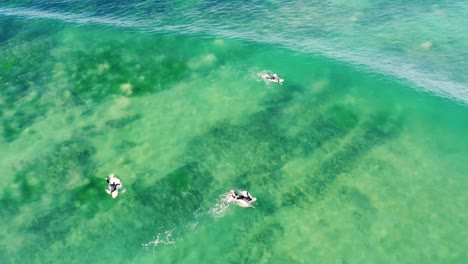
x: 221, y: 206
x: 199, y: 221
x: 164, y: 238
x: 84, y: 19
x: 425, y: 81
x: 65, y: 17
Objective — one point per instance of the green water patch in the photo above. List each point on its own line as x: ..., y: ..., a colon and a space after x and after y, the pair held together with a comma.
x: 49, y: 194
x: 264, y: 141
x: 175, y: 196
x: 343, y: 158
x: 241, y: 236
x: 250, y: 148
x: 364, y: 212
x: 25, y: 70
x: 78, y: 67
x: 143, y: 212
x: 123, y: 121
x: 254, y: 150
x: 8, y: 28
x: 56, y: 203
x: 125, y: 146
x: 51, y: 174
x: 93, y: 65
x: 354, y: 196
x: 318, y: 128
x: 15, y: 124
x: 253, y: 145
x: 263, y: 233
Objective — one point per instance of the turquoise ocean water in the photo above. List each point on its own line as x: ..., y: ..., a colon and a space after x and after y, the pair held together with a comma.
x: 361, y: 156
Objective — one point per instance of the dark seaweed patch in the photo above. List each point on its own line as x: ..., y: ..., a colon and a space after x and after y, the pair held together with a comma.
x: 258, y: 147
x: 70, y: 156
x: 321, y: 130
x: 357, y: 198
x: 261, y: 237
x: 9, y: 27
x: 90, y: 130
x: 377, y: 131
x: 342, y: 117
x: 125, y: 146
x: 177, y: 195
x: 120, y: 67
x: 14, y: 125
x: 19, y: 81
x: 49, y: 176
x: 16, y: 65
x: 291, y: 198
x: 265, y: 148
x: 363, y: 210
x: 121, y: 122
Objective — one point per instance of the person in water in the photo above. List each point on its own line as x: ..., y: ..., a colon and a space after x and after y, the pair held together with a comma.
x: 245, y: 195
x: 113, y: 185
x: 274, y: 78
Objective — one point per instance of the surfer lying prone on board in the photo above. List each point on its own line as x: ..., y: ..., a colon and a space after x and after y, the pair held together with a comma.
x: 243, y: 199
x: 273, y: 78
x: 114, y: 184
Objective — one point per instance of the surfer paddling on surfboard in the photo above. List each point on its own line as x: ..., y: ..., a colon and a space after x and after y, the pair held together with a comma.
x: 114, y: 185
x: 272, y: 78
x: 243, y: 199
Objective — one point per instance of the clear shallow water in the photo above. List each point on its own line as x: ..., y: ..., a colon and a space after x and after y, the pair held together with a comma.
x: 349, y: 161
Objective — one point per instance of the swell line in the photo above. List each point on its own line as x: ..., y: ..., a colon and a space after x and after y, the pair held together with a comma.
x: 65, y: 17
x: 437, y: 84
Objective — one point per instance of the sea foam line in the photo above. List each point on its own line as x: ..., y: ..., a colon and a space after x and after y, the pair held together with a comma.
x: 65, y: 17
x: 164, y: 238
x: 73, y: 18
x: 437, y: 84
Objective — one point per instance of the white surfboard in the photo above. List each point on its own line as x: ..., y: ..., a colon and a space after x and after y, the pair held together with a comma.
x: 243, y: 203
x: 114, y: 180
x: 240, y: 202
x: 268, y: 78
